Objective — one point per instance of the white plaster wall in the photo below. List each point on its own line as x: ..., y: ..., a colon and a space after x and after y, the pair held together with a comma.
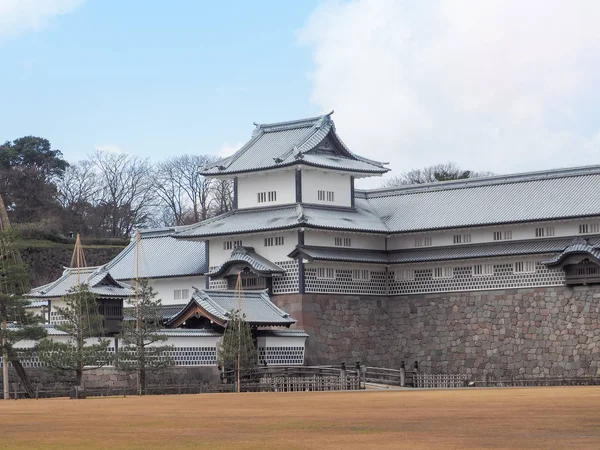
x: 275, y: 253
x: 190, y: 341
x: 281, y: 181
x: 563, y: 228
x: 315, y: 180
x: 278, y: 341
x: 327, y: 239
x: 165, y: 288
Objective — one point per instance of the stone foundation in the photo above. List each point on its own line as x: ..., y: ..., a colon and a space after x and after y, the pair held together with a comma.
x: 552, y: 331
x: 111, y: 378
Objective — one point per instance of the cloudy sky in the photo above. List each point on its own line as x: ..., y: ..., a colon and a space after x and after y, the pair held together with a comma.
x: 503, y: 86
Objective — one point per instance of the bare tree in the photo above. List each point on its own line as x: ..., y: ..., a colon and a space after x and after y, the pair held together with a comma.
x: 223, y: 196
x: 127, y: 192
x: 78, y: 193
x: 432, y: 174
x: 181, y: 187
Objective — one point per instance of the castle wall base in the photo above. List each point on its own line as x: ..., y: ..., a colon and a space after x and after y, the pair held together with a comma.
x: 553, y: 331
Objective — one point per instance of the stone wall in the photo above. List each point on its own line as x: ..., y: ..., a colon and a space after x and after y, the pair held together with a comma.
x: 111, y: 378
x: 518, y: 332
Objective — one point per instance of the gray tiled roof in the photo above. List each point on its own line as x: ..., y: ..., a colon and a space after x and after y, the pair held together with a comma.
x: 166, y: 311
x: 340, y: 254
x: 256, y: 305
x: 296, y: 142
x: 535, y: 196
x: 247, y: 256
x: 283, y: 333
x: 189, y: 332
x: 361, y: 218
x: 160, y: 255
x: 37, y: 304
x: 98, y: 280
x: 577, y: 246
x: 447, y: 253
x: 50, y: 329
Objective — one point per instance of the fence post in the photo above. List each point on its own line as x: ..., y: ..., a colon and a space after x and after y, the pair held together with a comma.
x: 343, y: 377
x: 402, y: 374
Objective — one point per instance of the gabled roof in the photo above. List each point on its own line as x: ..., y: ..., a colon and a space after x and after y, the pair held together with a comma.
x: 577, y: 246
x: 98, y: 280
x: 312, y: 142
x: 535, y: 196
x: 246, y: 256
x: 160, y: 255
x: 217, y: 306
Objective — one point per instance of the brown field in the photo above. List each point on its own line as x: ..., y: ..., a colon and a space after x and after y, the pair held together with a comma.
x: 541, y: 418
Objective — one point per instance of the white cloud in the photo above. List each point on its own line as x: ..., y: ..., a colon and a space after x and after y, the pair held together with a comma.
x: 109, y: 148
x: 228, y: 149
x: 18, y: 16
x: 500, y: 85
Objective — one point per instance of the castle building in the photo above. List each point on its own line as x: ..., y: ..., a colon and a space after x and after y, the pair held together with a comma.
x: 493, y: 275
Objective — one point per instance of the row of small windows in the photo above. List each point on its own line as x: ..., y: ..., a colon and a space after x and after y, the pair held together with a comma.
x: 342, y: 242
x: 325, y: 196
x: 478, y: 270
x: 589, y: 228
x: 507, y: 235
x: 230, y: 245
x: 271, y: 241
x: 270, y: 196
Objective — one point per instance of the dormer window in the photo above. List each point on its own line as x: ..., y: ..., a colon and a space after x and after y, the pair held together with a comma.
x: 326, y: 196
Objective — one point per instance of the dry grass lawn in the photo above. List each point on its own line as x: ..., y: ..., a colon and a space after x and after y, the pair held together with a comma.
x: 540, y: 418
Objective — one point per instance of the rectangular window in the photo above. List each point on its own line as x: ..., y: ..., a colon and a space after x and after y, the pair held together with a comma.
x: 443, y: 272
x: 502, y: 235
x: 480, y: 270
x: 343, y: 242
x: 524, y: 267
x: 541, y: 231
x: 361, y: 274
x: 181, y: 294
x: 423, y: 242
x: 230, y: 245
x: 587, y: 228
x: 325, y: 196
x: 327, y: 273
x: 461, y: 238
x: 404, y: 275
x: 270, y: 196
x: 271, y: 241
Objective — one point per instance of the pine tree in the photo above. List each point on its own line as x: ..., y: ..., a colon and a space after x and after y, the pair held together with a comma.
x: 237, y: 352
x: 17, y: 322
x: 141, y: 350
x: 81, y: 320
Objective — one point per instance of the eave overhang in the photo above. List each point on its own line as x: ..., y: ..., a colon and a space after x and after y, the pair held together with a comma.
x: 578, y: 246
x: 246, y: 257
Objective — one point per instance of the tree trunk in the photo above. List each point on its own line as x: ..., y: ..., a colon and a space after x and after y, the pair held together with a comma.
x: 79, y: 377
x: 20, y: 370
